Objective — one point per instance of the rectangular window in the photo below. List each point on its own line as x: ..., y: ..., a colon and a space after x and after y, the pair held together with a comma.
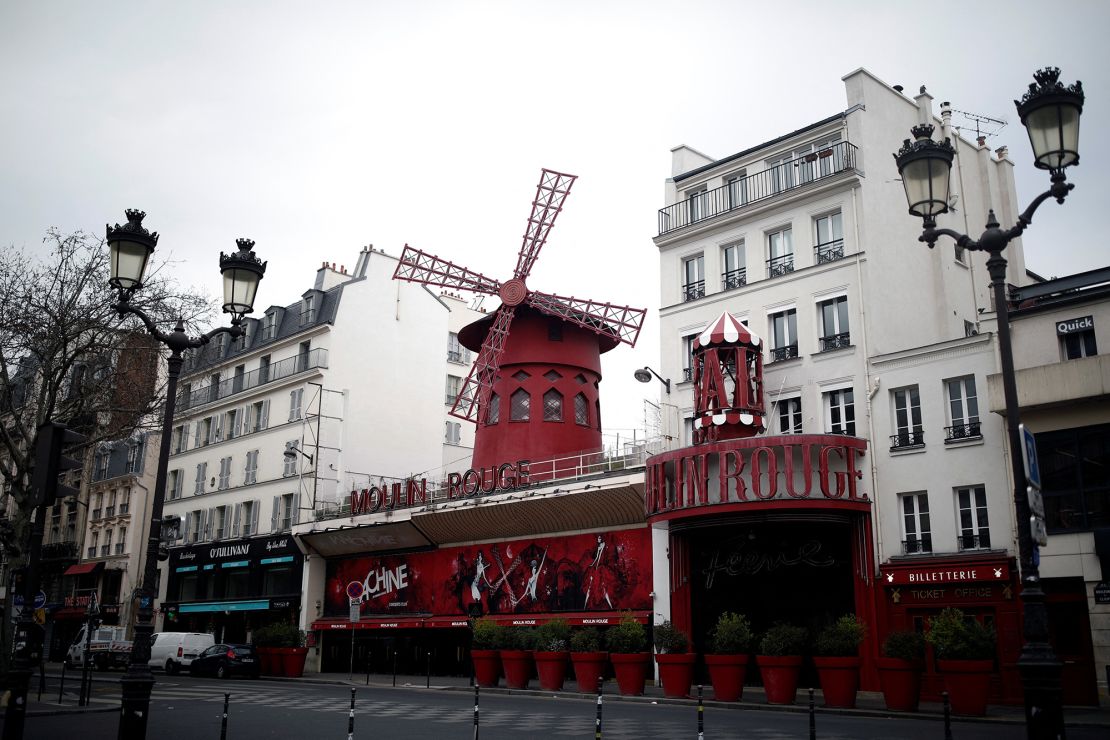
x: 264, y: 369
x: 781, y: 171
x: 295, y: 398
x: 244, y: 339
x: 693, y: 278
x: 780, y: 253
x: 832, y: 316
x: 454, y: 384
x: 308, y: 310
x: 247, y: 524
x: 204, y: 432
x: 106, y: 548
x: 1078, y: 344
x: 174, y: 484
x: 269, y: 325
x: 830, y: 238
x: 735, y: 270
x: 134, y: 454
x: 102, y: 465
x: 303, y: 351
x: 225, y: 474
x: 790, y: 415
x: 917, y: 535
x: 278, y: 581
x: 219, y: 524
x: 177, y: 439
x: 688, y: 357
x: 121, y: 544
x: 697, y: 204
x: 285, y: 512
x: 963, y: 409
x: 784, y: 334
x: 238, y: 378
x: 289, y: 459
x: 841, y: 411
x: 259, y: 415
x: 736, y: 185
x: 1075, y: 475
x: 202, y: 473
x: 250, y: 473
x: 907, y: 418
x: 452, y: 432
x: 125, y: 501
x: 971, y: 503
x: 231, y: 423
x: 455, y: 351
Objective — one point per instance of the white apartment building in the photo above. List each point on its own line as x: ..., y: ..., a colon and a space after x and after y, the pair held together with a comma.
x: 319, y: 397
x: 867, y: 333
x: 458, y: 435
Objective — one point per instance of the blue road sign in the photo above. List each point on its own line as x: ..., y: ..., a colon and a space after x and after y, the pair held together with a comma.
x: 1029, y: 457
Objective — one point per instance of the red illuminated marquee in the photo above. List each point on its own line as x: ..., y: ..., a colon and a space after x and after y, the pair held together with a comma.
x: 395, y: 496
x: 504, y: 477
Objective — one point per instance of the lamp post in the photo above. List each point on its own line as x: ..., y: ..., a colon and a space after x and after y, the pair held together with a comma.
x: 645, y: 374
x: 1050, y: 112
x: 130, y: 247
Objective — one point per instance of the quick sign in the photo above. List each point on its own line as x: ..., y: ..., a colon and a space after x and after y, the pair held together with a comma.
x: 1071, y: 326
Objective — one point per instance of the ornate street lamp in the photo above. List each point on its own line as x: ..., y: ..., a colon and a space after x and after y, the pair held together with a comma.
x: 130, y: 247
x: 1050, y: 112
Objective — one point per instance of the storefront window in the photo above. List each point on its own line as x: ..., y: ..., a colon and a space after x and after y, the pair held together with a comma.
x: 236, y: 583
x: 278, y: 581
x: 187, y: 587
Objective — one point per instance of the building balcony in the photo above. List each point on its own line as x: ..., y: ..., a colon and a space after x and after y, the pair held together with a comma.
x: 917, y: 545
x: 907, y: 439
x: 91, y: 552
x: 454, y: 355
x: 120, y: 547
x: 450, y: 398
x: 105, y: 550
x: 124, y: 509
x: 829, y: 251
x: 974, y: 541
x: 95, y: 513
x: 290, y: 366
x: 758, y: 187
x: 734, y: 279
x: 687, y: 374
x: 109, y: 511
x: 693, y: 291
x: 835, y: 341
x: 790, y: 351
x: 59, y: 551
x: 781, y: 265
x: 960, y: 432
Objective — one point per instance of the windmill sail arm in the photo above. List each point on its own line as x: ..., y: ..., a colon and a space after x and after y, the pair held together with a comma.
x: 622, y: 323
x: 418, y: 266
x: 476, y: 389
x: 552, y: 190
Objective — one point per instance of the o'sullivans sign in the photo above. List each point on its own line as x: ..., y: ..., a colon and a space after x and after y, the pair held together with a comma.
x: 797, y: 467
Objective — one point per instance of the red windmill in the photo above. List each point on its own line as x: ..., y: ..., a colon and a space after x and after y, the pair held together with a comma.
x: 536, y: 345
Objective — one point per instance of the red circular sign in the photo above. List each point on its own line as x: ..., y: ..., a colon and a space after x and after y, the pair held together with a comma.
x: 354, y: 590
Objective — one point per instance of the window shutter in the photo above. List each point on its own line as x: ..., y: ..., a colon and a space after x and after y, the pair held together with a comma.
x: 254, y: 515
x: 275, y: 513
x: 218, y: 428
x: 235, y: 520
x: 296, y: 514
x: 292, y: 405
x: 210, y: 524
x: 265, y: 414
x: 196, y: 435
x: 189, y: 520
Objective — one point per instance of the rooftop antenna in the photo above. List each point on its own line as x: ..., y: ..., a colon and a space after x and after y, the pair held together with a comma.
x: 981, y: 122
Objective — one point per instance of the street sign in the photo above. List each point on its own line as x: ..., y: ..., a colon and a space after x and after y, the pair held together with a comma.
x: 40, y: 600
x: 1036, y: 502
x: 1037, y: 528
x: 1102, y: 592
x: 356, y: 611
x: 1029, y: 457
x: 93, y: 609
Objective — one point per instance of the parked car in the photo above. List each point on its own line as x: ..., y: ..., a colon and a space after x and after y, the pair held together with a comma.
x: 176, y: 650
x: 225, y: 661
x: 107, y: 648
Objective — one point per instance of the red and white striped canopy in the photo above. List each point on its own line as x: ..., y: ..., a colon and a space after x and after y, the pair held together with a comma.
x: 726, y: 330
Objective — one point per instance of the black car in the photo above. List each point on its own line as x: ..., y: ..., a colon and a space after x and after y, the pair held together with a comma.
x: 224, y: 661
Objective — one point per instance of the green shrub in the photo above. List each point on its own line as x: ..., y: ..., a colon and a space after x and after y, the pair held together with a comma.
x: 517, y: 638
x: 904, y: 645
x: 783, y: 639
x: 732, y: 635
x: 278, y: 634
x: 586, y: 640
x: 488, y: 635
x: 841, y: 638
x: 627, y: 637
x: 553, y: 636
x: 670, y: 639
x: 956, y: 636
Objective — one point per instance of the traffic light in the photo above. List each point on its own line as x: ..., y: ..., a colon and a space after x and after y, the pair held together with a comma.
x: 50, y: 462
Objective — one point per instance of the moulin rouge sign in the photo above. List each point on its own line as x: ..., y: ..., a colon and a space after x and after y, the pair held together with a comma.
x: 504, y: 477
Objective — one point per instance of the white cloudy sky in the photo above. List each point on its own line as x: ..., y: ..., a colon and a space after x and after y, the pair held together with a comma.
x: 316, y: 128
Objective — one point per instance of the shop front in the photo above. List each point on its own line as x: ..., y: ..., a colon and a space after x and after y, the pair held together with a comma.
x: 231, y: 588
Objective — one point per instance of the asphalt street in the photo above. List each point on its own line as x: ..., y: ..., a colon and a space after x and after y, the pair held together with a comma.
x: 187, y: 708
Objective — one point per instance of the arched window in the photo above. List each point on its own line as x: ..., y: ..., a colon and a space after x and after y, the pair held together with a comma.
x: 581, y: 410
x: 553, y: 405
x: 597, y: 414
x: 493, y: 413
x: 520, y: 405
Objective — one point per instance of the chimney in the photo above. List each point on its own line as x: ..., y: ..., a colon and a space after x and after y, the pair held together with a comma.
x: 981, y: 140
x: 924, y: 106
x: 1001, y: 152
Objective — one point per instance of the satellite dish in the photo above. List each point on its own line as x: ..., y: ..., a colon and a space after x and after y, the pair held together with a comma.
x: 643, y: 375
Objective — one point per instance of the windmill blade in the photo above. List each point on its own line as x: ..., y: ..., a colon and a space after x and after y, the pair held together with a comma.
x: 622, y: 323
x: 475, y: 392
x: 418, y: 266
x: 550, y: 194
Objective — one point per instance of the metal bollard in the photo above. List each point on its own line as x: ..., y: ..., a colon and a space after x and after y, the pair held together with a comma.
x: 62, y: 685
x: 701, y: 715
x: 394, y: 667
x: 367, y: 666
x: 351, y: 718
x: 428, y: 671
x: 947, y: 716
x: 812, y: 718
x: 597, y: 731
x: 475, y: 712
x: 223, y: 725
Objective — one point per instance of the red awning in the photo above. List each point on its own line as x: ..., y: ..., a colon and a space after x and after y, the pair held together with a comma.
x: 576, y: 619
x: 82, y: 569
x: 69, y: 612
x: 369, y: 623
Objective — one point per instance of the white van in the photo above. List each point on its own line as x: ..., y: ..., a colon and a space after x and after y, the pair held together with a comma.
x: 176, y: 650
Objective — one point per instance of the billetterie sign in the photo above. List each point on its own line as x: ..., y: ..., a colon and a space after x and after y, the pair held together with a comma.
x: 414, y: 492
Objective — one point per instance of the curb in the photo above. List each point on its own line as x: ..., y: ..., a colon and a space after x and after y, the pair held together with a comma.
x: 62, y: 711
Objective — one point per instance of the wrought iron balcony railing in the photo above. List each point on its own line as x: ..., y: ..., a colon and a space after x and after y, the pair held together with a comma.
x: 276, y: 371
x: 910, y: 438
x: 914, y: 545
x: 119, y: 547
x: 687, y: 374
x: 124, y: 509
x: 734, y: 278
x: 836, y: 341
x: 693, y: 291
x: 958, y: 432
x: 781, y: 265
x: 829, y: 251
x: 451, y: 398
x: 92, y: 552
x: 109, y: 511
x: 59, y: 551
x: 95, y: 514
x: 778, y: 354
x: 981, y: 541
x: 105, y: 550
x: 757, y: 187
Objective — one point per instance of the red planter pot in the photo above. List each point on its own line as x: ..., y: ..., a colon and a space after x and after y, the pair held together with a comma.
x: 631, y: 670
x: 266, y: 660
x: 901, y: 682
x: 839, y: 678
x: 518, y: 668
x: 780, y: 677
x: 487, y: 667
x: 727, y: 672
x: 676, y: 672
x: 552, y: 669
x: 968, y: 684
x: 291, y: 661
x: 588, y: 668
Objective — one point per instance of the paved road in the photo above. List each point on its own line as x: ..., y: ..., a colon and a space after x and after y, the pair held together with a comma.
x: 186, y: 708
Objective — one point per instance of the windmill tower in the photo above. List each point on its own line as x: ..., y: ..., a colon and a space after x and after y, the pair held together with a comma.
x: 533, y: 391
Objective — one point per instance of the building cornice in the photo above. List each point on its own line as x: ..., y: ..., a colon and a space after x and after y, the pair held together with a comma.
x: 960, y: 347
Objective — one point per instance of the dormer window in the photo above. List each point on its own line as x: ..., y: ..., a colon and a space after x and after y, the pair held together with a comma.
x: 308, y: 310
x: 269, y: 325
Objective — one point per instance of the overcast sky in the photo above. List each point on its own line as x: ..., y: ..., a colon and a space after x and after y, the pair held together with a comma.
x: 317, y: 128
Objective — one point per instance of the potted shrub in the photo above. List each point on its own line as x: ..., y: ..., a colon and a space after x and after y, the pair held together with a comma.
x: 485, y: 644
x: 265, y: 641
x: 779, y: 660
x: 836, y: 657
x: 283, y: 643
x: 727, y: 660
x: 965, y: 651
x: 676, y: 666
x: 551, y: 644
x: 900, y: 670
x: 516, y: 657
x: 588, y: 658
x: 627, y: 643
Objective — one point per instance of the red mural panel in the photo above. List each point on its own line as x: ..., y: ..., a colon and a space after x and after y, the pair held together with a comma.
x: 602, y: 571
